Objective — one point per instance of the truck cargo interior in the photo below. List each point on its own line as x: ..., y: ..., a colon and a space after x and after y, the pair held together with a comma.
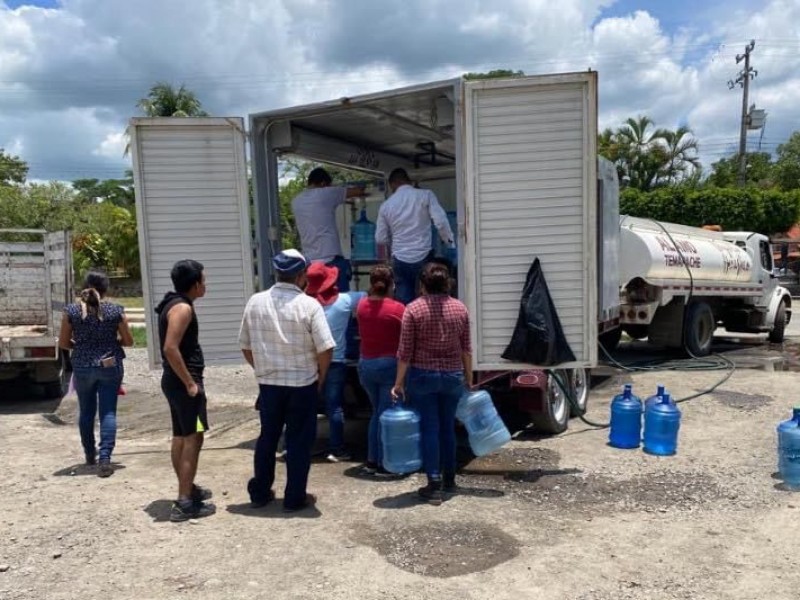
x: 414, y: 128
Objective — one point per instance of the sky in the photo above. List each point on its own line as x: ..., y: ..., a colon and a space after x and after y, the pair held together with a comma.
x: 72, y: 71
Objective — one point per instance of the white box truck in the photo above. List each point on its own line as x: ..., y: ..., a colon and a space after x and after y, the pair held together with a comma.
x: 679, y: 283
x: 35, y: 285
x: 515, y: 159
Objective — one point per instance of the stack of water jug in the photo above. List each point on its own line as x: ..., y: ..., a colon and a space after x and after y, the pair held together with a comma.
x: 662, y: 421
x: 789, y: 450
x: 400, y: 431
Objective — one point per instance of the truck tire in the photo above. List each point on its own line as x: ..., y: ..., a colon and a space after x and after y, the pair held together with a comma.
x: 777, y: 334
x: 579, y: 386
x: 554, y: 416
x: 698, y: 328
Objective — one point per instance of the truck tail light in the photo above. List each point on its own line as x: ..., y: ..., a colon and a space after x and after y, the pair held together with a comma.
x: 41, y: 352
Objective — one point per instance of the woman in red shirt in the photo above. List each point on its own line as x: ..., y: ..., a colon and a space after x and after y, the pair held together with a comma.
x: 436, y: 352
x: 379, y: 320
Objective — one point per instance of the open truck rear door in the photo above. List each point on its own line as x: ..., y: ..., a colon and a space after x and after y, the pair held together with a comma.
x: 529, y: 180
x: 192, y: 202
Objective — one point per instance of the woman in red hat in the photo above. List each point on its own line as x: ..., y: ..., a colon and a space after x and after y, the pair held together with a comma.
x: 339, y: 309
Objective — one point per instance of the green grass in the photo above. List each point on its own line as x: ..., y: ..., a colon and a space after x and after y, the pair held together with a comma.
x: 129, y: 302
x: 139, y: 337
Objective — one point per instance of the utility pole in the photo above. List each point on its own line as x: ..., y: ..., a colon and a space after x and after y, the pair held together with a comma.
x: 743, y: 80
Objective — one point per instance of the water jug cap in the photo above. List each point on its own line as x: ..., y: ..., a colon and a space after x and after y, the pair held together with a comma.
x: 666, y: 399
x: 660, y: 389
x: 796, y: 413
x: 627, y: 390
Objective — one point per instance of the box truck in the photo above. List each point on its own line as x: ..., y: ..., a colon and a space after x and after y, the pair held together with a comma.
x: 514, y: 159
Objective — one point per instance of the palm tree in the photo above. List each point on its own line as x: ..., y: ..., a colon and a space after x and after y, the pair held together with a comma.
x: 163, y: 100
x: 641, y: 156
x: 681, y: 147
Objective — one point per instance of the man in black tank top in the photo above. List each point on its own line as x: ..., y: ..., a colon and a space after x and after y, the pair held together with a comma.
x: 182, y: 384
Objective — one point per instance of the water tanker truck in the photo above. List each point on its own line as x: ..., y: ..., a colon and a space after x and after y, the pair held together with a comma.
x: 679, y: 283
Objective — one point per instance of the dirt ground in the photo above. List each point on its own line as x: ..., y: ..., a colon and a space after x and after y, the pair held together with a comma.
x: 546, y: 517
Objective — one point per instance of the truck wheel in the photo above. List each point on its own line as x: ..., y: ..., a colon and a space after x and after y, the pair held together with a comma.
x: 777, y: 334
x: 699, y: 327
x: 610, y: 340
x: 554, y: 416
x: 579, y: 386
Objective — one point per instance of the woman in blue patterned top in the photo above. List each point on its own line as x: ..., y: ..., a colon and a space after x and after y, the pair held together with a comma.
x: 95, y: 331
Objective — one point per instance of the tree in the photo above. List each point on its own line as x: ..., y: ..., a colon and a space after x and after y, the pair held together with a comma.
x: 787, y: 165
x: 13, y: 170
x: 495, y: 74
x: 759, y: 168
x: 647, y: 157
x: 163, y: 100
x: 116, y: 191
x: 682, y: 157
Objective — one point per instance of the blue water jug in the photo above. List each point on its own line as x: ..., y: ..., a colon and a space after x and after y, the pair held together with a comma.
x: 662, y: 420
x: 789, y: 450
x: 401, y: 440
x: 626, y: 420
x: 660, y: 391
x: 486, y: 429
x: 363, y: 238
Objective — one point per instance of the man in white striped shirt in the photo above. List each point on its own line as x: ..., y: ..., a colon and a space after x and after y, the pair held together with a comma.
x: 286, y: 339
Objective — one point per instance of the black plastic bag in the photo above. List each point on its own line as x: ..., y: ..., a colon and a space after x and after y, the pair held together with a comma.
x: 538, y: 337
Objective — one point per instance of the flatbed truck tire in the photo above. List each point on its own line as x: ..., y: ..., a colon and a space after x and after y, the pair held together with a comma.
x: 554, y: 416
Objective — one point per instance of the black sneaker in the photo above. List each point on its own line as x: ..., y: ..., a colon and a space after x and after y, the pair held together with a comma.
x: 105, y: 469
x: 191, y: 510
x: 449, y: 485
x: 310, y: 501
x: 432, y: 492
x: 262, y: 503
x: 199, y: 494
x: 369, y: 468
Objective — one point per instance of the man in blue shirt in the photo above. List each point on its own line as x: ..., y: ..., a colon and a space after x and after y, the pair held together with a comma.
x: 339, y: 309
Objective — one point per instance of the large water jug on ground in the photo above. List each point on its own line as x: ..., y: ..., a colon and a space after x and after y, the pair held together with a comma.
x: 662, y: 420
x: 363, y: 238
x: 401, y: 440
x: 789, y: 450
x: 486, y: 429
x: 660, y: 391
x: 626, y: 420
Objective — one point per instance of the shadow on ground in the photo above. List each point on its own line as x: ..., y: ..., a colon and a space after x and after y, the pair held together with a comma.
x: 273, y: 510
x: 84, y: 469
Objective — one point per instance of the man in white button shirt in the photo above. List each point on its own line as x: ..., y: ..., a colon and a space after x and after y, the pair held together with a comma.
x: 315, y: 216
x: 286, y: 339
x: 404, y: 223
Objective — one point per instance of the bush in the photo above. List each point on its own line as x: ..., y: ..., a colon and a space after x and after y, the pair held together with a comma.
x: 749, y: 209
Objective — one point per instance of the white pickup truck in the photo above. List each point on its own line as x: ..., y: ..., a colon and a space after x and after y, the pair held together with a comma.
x: 35, y: 284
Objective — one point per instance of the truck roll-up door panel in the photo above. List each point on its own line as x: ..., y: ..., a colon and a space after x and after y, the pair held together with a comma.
x: 530, y: 191
x: 192, y: 202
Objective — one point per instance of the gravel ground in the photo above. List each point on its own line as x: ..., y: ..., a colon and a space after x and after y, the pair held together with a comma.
x: 557, y: 517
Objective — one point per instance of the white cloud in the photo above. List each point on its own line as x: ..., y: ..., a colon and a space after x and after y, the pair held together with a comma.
x: 70, y: 78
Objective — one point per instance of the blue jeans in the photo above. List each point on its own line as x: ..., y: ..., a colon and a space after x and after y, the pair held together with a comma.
x: 333, y: 392
x: 406, y: 277
x: 435, y: 395
x: 377, y: 377
x: 97, y: 387
x: 296, y: 408
x: 345, y: 272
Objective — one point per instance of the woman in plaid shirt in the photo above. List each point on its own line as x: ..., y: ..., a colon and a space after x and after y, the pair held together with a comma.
x: 436, y: 353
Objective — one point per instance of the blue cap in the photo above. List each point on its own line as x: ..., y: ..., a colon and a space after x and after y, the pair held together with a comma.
x: 289, y: 262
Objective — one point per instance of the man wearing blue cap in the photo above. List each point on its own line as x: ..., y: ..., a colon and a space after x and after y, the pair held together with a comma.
x: 286, y: 339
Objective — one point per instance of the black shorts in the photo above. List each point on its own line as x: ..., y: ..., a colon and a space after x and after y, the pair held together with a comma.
x: 189, y: 415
